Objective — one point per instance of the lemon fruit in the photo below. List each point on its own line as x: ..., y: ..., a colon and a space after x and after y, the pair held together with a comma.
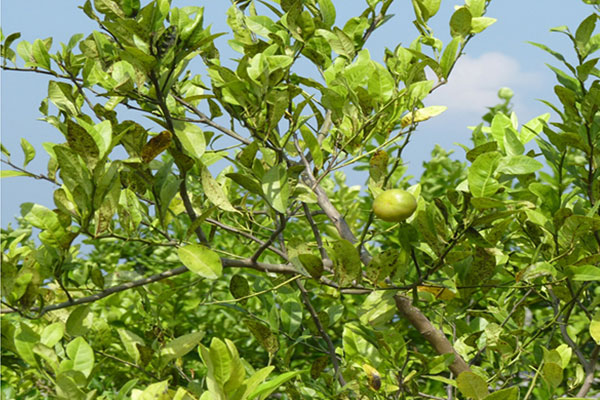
x: 394, y: 205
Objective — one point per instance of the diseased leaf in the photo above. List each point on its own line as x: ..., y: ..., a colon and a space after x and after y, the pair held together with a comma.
x: 267, y: 339
x: 155, y: 146
x: 346, y: 261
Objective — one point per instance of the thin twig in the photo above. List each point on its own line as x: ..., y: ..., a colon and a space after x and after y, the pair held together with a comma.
x: 317, y: 321
x: 29, y: 174
x: 246, y: 235
x: 271, y: 240
x: 206, y: 120
x: 128, y: 363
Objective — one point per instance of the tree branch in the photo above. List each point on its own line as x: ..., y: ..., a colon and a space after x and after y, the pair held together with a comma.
x: 434, y: 336
x: 227, y: 263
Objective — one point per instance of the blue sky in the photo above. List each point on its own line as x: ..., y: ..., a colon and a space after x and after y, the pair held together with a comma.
x: 498, y: 57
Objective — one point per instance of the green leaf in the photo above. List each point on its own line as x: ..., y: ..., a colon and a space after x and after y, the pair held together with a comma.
x: 440, y: 363
x: 25, y: 339
x: 201, y: 260
x: 472, y: 385
x: 378, y: 308
x: 53, y: 231
x: 78, y: 323
x: 512, y: 144
x: 266, y: 388
x: 312, y: 264
x: 52, y: 334
x: 291, y: 316
x: 9, y: 173
x: 129, y: 340
x: 191, y: 138
x: 276, y: 188
x: 449, y: 56
x: 381, y: 84
x: 426, y: 8
x: 595, y: 327
x: 256, y: 379
x: 61, y: 95
x: 479, y: 24
x: 82, y: 355
x: 327, y: 10
x: 339, y: 41
x: 40, y: 54
x: 154, y: 391
x: 221, y: 361
x: 69, y: 385
x: 460, y: 22
x: 313, y: 146
x: 583, y: 33
x: 214, y: 192
x: 518, y: 165
x: 476, y: 7
x: 511, y: 393
x: 552, y: 373
x: 584, y: 273
x: 481, y: 175
x: 122, y: 394
x: 28, y: 151
x: 180, y: 346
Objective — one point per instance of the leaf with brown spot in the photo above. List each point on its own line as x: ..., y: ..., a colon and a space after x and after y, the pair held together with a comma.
x: 156, y: 145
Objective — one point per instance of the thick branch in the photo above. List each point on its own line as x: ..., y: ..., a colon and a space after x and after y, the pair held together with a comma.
x: 434, y: 336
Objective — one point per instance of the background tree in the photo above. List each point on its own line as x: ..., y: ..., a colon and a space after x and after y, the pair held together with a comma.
x: 488, y: 290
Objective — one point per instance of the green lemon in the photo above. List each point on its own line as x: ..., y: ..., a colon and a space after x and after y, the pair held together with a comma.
x: 394, y: 205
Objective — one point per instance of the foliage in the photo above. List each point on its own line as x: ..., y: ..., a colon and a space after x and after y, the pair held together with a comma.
x: 213, y: 250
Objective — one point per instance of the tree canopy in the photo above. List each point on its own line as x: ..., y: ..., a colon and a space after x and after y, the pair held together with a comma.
x: 209, y: 247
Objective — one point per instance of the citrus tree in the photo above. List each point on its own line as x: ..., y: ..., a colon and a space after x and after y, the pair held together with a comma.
x: 209, y: 247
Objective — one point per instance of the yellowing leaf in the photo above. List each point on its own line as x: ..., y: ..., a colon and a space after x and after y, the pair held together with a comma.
x: 422, y: 114
x: 373, y: 377
x: 439, y: 292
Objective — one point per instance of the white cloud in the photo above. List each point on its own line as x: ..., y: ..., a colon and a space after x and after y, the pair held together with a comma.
x: 473, y: 84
